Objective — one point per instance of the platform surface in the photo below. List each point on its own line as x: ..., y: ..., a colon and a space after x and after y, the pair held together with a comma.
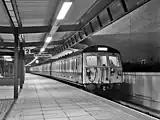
x: 46, y: 99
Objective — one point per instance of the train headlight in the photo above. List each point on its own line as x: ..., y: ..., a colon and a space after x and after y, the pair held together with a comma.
x: 112, y: 69
x: 119, y: 73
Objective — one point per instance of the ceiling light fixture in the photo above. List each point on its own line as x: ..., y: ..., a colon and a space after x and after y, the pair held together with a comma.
x: 42, y: 49
x: 37, y: 61
x: 64, y: 10
x: 48, y: 40
x: 11, y: 12
x: 7, y: 56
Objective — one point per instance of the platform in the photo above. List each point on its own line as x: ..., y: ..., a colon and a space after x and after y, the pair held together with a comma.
x: 46, y: 99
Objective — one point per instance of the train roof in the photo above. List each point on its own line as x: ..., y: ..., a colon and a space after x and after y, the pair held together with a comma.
x: 100, y: 48
x: 93, y: 48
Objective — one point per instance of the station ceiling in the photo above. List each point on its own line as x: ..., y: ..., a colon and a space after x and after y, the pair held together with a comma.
x: 36, y: 19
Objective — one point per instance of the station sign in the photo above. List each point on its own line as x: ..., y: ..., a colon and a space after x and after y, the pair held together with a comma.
x: 27, y: 51
x: 42, y: 55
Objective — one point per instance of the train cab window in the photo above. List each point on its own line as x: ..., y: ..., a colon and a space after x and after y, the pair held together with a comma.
x: 103, y: 60
x: 91, y: 60
x: 114, y: 61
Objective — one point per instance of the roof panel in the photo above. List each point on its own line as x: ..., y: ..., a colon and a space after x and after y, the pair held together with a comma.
x: 7, y: 37
x: 33, y: 22
x: 58, y: 35
x: 4, y: 19
x: 78, y: 8
x: 34, y: 37
x: 38, y: 10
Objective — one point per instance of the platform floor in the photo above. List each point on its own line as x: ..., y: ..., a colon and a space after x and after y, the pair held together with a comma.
x: 46, y: 99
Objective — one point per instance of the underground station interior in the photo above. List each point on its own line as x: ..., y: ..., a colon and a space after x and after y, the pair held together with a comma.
x: 33, y: 32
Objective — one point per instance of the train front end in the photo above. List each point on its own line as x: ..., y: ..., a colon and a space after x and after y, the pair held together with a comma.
x: 102, y: 68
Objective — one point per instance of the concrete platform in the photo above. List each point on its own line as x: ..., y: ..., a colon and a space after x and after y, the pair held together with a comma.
x: 46, y: 99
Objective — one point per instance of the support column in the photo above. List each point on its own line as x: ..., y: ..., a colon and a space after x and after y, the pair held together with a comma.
x: 21, y: 66
x: 23, y: 63
x: 16, y: 40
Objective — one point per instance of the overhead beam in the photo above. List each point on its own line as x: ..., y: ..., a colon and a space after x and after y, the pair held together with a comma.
x: 52, y: 20
x: 4, y: 29
x: 29, y: 44
x: 25, y: 30
x: 7, y: 44
x: 35, y: 29
x: 32, y: 44
x: 15, y: 9
x: 64, y: 28
x: 6, y: 9
x: 37, y: 44
x: 7, y: 53
x: 56, y: 42
x: 18, y: 18
x: 93, y: 11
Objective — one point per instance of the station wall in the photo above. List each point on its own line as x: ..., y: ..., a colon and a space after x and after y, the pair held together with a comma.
x: 135, y: 35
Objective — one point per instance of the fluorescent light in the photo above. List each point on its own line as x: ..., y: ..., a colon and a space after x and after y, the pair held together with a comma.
x: 7, y: 56
x: 12, y: 13
x: 64, y: 10
x: 16, y: 24
x: 37, y: 61
x: 14, y: 19
x: 48, y: 40
x: 9, y: 59
x: 42, y: 49
x: 102, y: 49
x: 9, y: 5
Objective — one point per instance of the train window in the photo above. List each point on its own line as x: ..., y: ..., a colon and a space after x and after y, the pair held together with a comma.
x: 95, y: 24
x: 64, y: 66
x: 116, y: 9
x: 131, y: 4
x: 61, y: 66
x: 76, y: 64
x: 79, y: 64
x: 73, y: 64
x: 91, y: 60
x: 70, y: 63
x: 103, y: 60
x: 114, y: 61
x: 104, y: 17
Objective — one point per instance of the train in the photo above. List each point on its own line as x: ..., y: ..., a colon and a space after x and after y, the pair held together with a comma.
x: 94, y: 67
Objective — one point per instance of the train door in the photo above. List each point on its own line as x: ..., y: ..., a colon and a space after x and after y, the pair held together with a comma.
x: 115, y: 68
x: 89, y: 68
x: 103, y: 70
x: 95, y: 70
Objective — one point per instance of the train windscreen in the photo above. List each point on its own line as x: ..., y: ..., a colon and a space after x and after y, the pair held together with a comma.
x: 114, y: 60
x: 91, y: 60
